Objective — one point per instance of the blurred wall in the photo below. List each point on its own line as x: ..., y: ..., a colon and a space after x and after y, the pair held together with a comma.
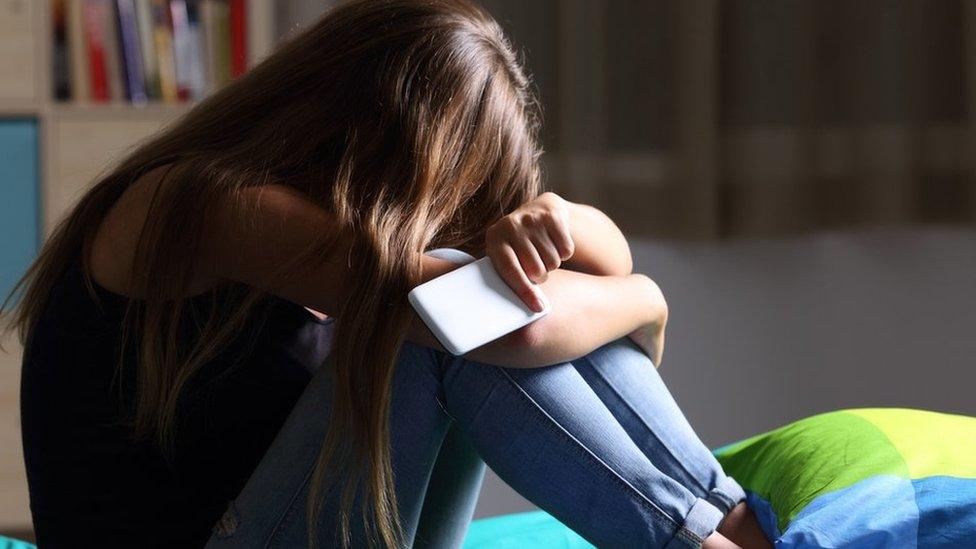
x: 763, y: 332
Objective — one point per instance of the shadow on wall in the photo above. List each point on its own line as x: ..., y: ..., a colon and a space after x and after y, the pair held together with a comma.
x: 763, y: 332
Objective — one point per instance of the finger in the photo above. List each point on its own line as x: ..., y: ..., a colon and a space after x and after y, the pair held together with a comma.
x: 532, y: 263
x: 562, y: 238
x: 546, y: 250
x: 507, y: 264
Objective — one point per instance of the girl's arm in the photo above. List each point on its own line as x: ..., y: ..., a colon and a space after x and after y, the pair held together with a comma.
x: 587, y: 311
x: 601, y: 248
x: 547, y: 232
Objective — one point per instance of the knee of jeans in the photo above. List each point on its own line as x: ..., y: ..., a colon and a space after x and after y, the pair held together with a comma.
x: 414, y: 358
x: 619, y: 349
x: 421, y: 366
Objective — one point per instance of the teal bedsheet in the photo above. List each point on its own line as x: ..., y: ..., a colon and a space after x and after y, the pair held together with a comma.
x: 7, y: 543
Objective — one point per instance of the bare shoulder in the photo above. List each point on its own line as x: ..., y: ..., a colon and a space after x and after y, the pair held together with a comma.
x: 251, y: 234
x: 250, y: 231
x: 266, y: 205
x: 116, y: 240
x: 246, y: 235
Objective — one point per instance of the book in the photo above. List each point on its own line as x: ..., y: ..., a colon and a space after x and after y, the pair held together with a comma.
x: 260, y: 38
x: 207, y: 43
x: 61, y: 65
x: 113, y: 51
x: 94, y: 21
x: 197, y: 70
x: 163, y: 40
x: 149, y: 50
x: 78, y: 55
x: 135, y: 89
x: 182, y: 47
x: 238, y: 37
x: 216, y: 20
x: 147, y: 47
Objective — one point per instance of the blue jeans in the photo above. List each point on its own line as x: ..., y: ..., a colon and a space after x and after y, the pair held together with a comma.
x: 599, y: 443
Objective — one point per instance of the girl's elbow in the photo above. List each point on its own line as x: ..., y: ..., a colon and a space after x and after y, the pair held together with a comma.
x: 625, y: 264
x: 527, y: 347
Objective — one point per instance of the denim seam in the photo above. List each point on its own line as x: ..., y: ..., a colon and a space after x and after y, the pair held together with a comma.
x: 436, y: 379
x: 674, y: 456
x: 443, y: 408
x: 290, y: 510
x: 553, y: 424
x: 726, y: 500
x: 690, y: 537
x: 442, y: 402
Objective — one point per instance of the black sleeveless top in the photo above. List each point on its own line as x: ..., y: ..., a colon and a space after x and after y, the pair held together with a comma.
x: 91, y: 482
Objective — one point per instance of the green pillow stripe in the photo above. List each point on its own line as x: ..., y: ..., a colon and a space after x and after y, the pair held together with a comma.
x: 793, y: 465
x: 931, y: 443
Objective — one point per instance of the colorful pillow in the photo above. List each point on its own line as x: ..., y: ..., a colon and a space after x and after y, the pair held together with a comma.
x: 873, y: 477
x: 866, y: 478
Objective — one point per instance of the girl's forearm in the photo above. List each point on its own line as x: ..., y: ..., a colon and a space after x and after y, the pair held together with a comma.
x: 587, y: 312
x: 601, y: 248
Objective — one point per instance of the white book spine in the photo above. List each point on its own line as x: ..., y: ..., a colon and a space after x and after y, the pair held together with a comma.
x: 150, y: 63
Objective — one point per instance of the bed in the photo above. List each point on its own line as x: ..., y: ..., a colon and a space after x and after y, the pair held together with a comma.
x: 864, y: 478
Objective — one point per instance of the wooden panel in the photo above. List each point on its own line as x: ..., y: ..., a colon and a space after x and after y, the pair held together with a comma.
x: 83, y: 146
x: 18, y: 50
x: 14, y: 510
x: 18, y: 247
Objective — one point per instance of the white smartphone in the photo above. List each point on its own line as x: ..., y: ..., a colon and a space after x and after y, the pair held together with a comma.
x: 471, y: 306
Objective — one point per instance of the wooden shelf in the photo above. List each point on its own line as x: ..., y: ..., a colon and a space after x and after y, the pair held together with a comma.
x: 15, y: 108
x: 114, y: 111
x: 107, y: 111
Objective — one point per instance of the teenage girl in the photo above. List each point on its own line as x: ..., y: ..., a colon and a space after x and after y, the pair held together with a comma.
x: 219, y: 349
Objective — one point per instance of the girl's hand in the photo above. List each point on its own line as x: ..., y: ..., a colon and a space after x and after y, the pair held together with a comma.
x: 528, y: 243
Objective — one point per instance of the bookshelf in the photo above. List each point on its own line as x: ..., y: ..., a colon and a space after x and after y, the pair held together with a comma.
x: 79, y: 139
x: 72, y: 142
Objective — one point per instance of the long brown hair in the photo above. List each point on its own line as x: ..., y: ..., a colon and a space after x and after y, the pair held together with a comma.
x: 411, y: 121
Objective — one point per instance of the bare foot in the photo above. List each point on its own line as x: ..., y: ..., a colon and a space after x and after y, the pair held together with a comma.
x: 718, y: 541
x: 741, y: 526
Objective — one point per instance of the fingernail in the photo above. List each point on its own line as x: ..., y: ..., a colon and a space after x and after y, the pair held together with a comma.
x: 540, y: 304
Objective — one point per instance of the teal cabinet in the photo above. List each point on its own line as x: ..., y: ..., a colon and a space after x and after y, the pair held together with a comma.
x: 19, y: 204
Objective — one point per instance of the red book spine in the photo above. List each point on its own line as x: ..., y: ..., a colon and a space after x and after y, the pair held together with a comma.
x: 94, y: 27
x: 238, y: 37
